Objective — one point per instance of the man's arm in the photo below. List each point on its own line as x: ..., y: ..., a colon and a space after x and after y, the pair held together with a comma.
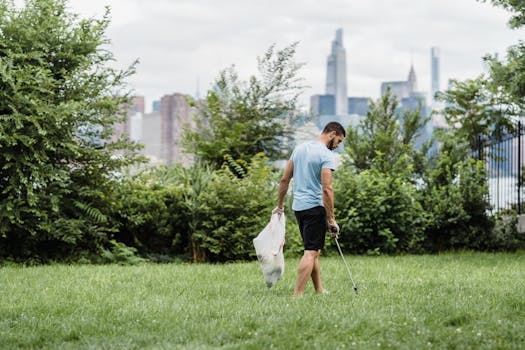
x: 284, y: 183
x: 328, y: 201
x: 328, y: 193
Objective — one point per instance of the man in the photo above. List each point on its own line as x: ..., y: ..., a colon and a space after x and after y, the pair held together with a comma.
x: 311, y: 166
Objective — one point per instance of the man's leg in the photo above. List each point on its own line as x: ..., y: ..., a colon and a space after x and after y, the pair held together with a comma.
x: 306, y: 270
x: 316, y: 275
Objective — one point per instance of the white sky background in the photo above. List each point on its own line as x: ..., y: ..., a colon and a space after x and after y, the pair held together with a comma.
x: 180, y: 42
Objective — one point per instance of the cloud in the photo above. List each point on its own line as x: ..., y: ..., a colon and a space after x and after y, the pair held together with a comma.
x: 180, y: 42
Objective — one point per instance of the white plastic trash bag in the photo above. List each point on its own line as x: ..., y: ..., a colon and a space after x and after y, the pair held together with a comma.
x: 269, y: 248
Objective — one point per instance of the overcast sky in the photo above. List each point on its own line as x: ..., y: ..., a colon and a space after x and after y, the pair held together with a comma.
x: 180, y: 42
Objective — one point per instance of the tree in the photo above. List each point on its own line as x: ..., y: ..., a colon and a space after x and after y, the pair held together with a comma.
x: 384, y: 137
x: 58, y: 105
x: 377, y: 201
x: 488, y: 107
x: 515, y: 7
x: 240, y: 119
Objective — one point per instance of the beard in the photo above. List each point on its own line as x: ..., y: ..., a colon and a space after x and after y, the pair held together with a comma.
x: 330, y: 145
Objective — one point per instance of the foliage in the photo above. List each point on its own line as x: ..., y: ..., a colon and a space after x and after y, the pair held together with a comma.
x: 378, y: 212
x: 121, y: 254
x: 507, y: 80
x: 478, y: 111
x: 475, y: 111
x: 515, y: 7
x: 377, y: 202
x: 236, y: 210
x: 505, y: 235
x: 63, y: 193
x: 243, y: 118
x: 58, y: 101
x: 456, y: 196
x: 384, y: 138
x: 199, y: 214
x: 489, y: 106
x: 509, y: 76
x: 151, y: 214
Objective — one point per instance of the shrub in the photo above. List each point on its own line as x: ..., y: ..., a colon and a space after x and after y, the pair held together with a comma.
x: 198, y: 213
x: 151, y: 216
x: 456, y: 196
x: 505, y: 235
x: 235, y: 210
x: 378, y: 213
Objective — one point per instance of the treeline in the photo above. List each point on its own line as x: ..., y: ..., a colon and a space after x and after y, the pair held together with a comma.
x: 66, y: 193
x: 394, y: 200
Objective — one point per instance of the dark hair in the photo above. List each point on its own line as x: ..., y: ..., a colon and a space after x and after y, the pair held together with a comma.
x: 334, y: 126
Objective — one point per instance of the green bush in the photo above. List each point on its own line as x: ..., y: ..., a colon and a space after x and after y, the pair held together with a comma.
x: 378, y: 213
x: 505, y: 235
x: 160, y: 208
x: 121, y: 254
x: 456, y: 196
x: 200, y: 214
x: 235, y: 210
x: 151, y: 216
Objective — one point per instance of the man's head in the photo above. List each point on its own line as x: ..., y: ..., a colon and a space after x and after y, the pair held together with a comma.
x: 333, y: 133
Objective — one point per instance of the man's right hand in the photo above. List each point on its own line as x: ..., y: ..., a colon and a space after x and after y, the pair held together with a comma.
x: 278, y: 211
x: 333, y: 228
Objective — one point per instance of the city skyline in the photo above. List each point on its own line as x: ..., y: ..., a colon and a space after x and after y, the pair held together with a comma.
x: 180, y: 43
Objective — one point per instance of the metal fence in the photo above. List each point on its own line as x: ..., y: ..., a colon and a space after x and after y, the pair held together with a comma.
x: 504, y: 160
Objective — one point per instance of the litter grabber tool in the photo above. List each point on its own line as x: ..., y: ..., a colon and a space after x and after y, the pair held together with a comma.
x: 334, y: 230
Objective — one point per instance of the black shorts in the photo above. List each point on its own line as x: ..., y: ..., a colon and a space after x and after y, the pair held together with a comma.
x: 313, y: 226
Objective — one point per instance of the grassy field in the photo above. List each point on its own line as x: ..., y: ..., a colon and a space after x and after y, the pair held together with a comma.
x: 451, y: 301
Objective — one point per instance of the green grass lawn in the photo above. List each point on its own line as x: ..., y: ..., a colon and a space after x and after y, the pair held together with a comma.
x: 451, y: 301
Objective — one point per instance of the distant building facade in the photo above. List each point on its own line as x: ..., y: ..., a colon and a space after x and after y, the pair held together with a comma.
x: 175, y: 113
x: 151, y: 137
x: 434, y: 69
x: 336, y: 74
x: 159, y: 131
x: 125, y: 125
x: 358, y: 105
x: 138, y: 104
x: 155, y: 106
x: 322, y: 104
x: 410, y: 99
x: 335, y: 105
x: 401, y: 89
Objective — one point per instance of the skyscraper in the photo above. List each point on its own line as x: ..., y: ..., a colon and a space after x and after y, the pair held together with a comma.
x: 136, y: 106
x: 151, y: 137
x: 322, y: 104
x: 336, y: 74
x: 176, y: 113
x: 410, y: 99
x: 434, y: 65
x: 412, y: 80
x: 401, y: 89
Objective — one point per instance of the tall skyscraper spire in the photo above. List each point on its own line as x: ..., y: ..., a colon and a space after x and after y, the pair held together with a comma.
x: 412, y: 80
x: 336, y: 74
x: 434, y: 64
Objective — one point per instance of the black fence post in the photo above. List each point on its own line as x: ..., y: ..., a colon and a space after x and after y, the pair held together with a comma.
x: 480, y: 148
x: 519, y: 166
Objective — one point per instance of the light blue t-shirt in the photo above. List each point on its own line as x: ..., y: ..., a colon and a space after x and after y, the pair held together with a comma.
x: 308, y: 160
